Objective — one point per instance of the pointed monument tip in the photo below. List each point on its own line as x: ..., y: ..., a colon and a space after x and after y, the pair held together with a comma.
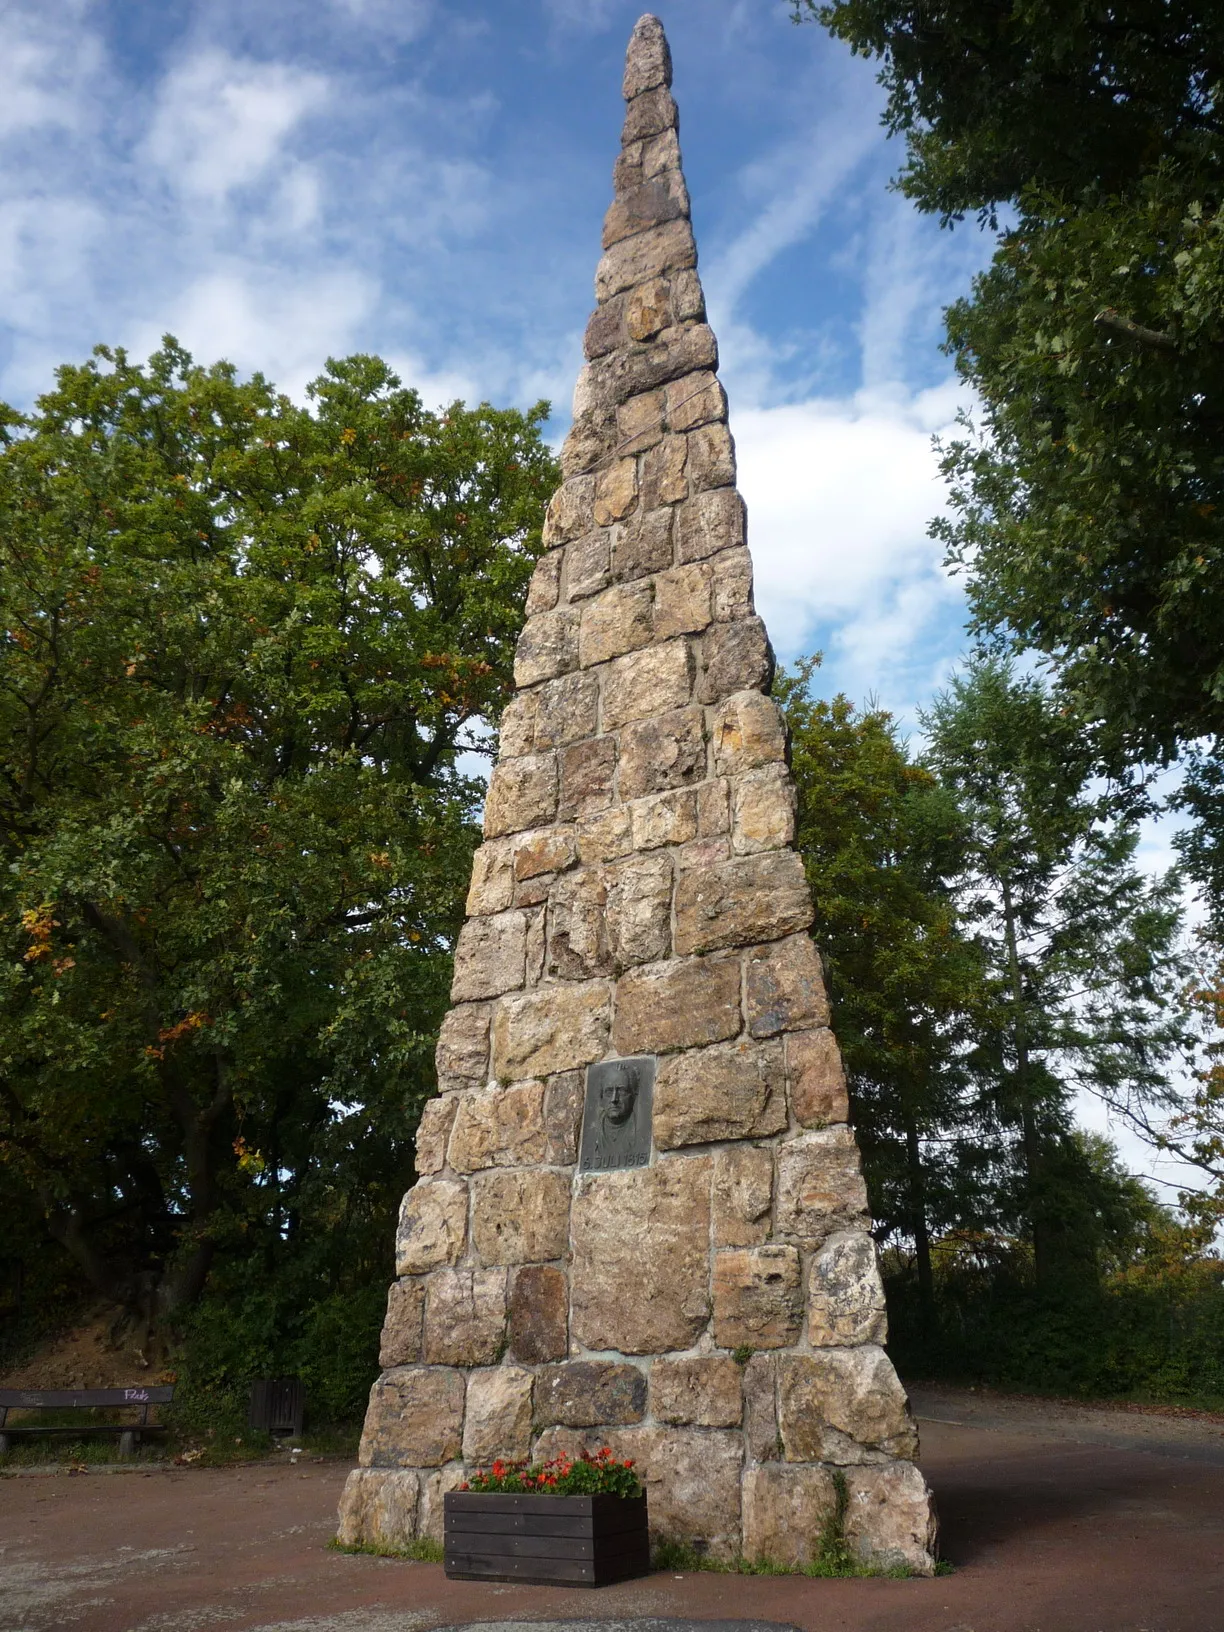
x: 648, y: 59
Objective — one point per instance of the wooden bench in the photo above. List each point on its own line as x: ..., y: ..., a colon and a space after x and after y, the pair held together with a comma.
x: 130, y: 1433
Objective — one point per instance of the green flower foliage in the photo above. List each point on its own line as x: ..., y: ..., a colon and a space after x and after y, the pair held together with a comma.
x: 244, y: 644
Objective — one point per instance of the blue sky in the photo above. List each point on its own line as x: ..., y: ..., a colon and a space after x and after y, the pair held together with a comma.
x: 278, y: 180
x: 275, y: 181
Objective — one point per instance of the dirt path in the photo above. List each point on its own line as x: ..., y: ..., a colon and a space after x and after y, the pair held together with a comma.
x: 1051, y: 1530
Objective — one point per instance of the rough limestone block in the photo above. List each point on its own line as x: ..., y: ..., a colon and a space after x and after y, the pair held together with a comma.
x: 463, y: 1042
x: 639, y: 909
x: 735, y: 657
x: 646, y: 682
x: 711, y: 458
x: 615, y: 492
x: 400, y: 1344
x: 537, y: 1314
x: 605, y: 330
x: 378, y: 1508
x: 498, y: 1126
x: 648, y: 308
x: 492, y: 886
x: 547, y: 850
x: 763, y: 811
x: 820, y: 1185
x: 677, y: 1005
x: 710, y: 522
x: 673, y: 352
x: 639, y: 421
x: 816, y: 1078
x: 750, y: 898
x: 489, y: 957
x: 890, y: 1518
x: 843, y: 1406
x: 522, y: 793
x: 520, y: 1216
x: 692, y: 1478
x: 649, y: 113
x: 432, y: 1226
x: 578, y: 934
x: 703, y: 1390
x: 639, y: 1282
x: 642, y: 545
x: 761, y: 1438
x: 563, y: 1103
x: 784, y: 983
x: 664, y: 818
x: 648, y: 254
x: 548, y: 646
x: 554, y: 1028
x: 497, y: 1421
x: 682, y: 601
x: 545, y: 586
x: 566, y: 711
x: 650, y: 204
x: 659, y: 153
x: 516, y: 728
x: 730, y: 1091
x: 665, y: 751
x: 434, y: 1487
x: 588, y: 771
x: 465, y: 1318
x: 714, y: 808
x: 570, y: 510
x: 747, y: 732
x: 433, y: 1132
x: 758, y: 1297
x: 604, y: 836
x: 648, y: 60
x: 588, y: 565
x: 697, y: 399
x: 663, y: 477
x: 731, y: 579
x: 703, y: 853
x: 414, y: 1420
x: 742, y: 1196
x: 615, y: 622
x: 785, y: 1511
x: 845, y: 1293
x: 590, y: 1393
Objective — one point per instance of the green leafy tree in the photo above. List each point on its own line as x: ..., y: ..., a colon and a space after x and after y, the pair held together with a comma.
x: 1089, y: 512
x: 1085, y: 967
x: 243, y: 645
x: 881, y: 841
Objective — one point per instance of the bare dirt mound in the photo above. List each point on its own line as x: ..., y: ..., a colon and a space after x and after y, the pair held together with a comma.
x: 94, y: 1353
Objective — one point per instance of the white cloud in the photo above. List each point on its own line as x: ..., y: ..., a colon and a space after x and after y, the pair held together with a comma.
x: 840, y: 494
x: 400, y: 20
x: 266, y: 318
x: 222, y: 121
x: 48, y: 58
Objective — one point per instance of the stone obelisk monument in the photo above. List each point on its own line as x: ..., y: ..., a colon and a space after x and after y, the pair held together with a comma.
x: 640, y: 1219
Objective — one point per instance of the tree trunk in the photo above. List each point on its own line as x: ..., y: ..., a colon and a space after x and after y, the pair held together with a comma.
x: 1029, y: 1132
x: 918, y: 1223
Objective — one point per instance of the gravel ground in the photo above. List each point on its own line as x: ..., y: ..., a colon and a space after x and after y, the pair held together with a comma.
x: 1057, y: 1518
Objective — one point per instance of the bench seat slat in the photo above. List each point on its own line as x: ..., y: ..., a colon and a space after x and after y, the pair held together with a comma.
x: 62, y: 1399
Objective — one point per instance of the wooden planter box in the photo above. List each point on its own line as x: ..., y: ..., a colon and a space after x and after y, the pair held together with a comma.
x: 571, y: 1541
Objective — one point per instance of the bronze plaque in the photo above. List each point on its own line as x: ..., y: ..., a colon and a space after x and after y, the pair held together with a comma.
x: 616, y: 1118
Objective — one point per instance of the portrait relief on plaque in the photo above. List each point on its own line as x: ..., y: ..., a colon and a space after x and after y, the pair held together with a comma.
x: 616, y: 1118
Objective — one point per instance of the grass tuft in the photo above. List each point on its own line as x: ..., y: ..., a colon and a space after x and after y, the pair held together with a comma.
x: 420, y: 1550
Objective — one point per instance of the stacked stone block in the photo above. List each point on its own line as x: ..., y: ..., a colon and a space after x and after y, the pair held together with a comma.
x: 718, y: 1314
